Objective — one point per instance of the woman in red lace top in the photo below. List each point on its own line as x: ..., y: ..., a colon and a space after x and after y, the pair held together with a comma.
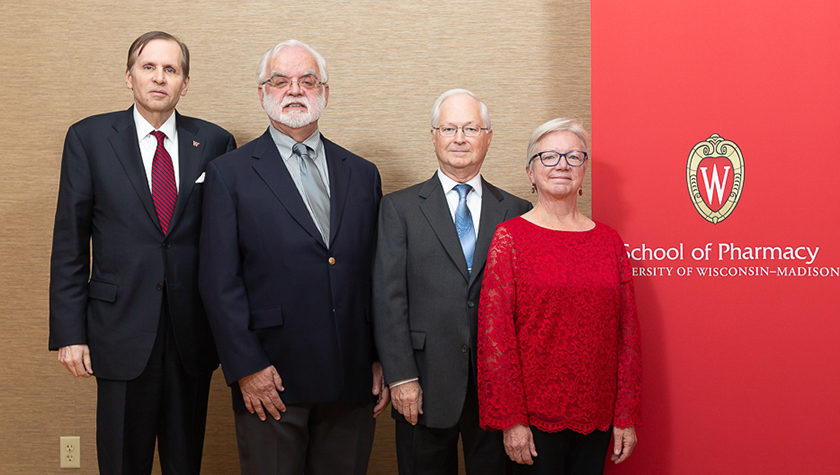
x: 558, y: 340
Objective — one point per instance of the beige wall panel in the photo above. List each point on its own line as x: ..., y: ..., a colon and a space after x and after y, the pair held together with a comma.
x: 388, y: 61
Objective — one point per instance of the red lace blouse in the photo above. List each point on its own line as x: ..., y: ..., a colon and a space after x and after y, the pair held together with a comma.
x: 558, y: 335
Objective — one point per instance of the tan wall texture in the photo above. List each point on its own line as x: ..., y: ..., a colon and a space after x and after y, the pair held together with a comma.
x: 63, y: 61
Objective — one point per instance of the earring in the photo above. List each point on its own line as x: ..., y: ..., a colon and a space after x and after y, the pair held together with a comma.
x: 533, y: 188
x: 580, y: 191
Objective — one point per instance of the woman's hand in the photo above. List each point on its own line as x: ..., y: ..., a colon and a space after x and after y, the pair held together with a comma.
x: 519, y: 444
x: 624, y: 441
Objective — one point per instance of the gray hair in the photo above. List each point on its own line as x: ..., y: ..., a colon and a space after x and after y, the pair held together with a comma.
x: 262, y: 69
x: 559, y: 124
x: 485, y: 115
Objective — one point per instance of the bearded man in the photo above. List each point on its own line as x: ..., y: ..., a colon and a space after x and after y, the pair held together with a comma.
x: 287, y: 245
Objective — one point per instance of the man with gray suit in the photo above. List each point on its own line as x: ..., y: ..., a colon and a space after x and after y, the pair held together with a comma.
x: 433, y: 239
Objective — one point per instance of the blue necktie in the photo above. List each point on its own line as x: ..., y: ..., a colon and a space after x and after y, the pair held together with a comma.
x: 464, y: 224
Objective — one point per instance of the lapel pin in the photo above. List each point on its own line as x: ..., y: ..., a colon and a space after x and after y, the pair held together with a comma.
x: 195, y: 144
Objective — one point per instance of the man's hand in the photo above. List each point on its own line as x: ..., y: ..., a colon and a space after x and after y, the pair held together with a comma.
x: 624, y: 441
x: 261, y: 390
x: 379, y: 389
x: 407, y: 399
x: 519, y: 444
x: 76, y: 358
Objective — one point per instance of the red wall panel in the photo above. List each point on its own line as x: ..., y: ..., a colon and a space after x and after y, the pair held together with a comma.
x: 740, y: 372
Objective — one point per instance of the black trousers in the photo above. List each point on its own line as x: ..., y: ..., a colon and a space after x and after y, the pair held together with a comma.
x: 423, y: 450
x: 313, y: 439
x: 567, y: 453
x: 164, y: 403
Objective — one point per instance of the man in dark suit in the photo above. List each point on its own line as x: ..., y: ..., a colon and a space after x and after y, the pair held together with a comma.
x: 427, y: 278
x: 131, y: 183
x: 287, y: 247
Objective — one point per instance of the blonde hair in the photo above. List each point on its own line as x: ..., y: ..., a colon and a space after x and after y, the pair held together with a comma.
x: 559, y: 124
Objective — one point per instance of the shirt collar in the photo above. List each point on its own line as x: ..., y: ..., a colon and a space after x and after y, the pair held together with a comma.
x: 285, y: 143
x: 449, y: 183
x: 144, y: 128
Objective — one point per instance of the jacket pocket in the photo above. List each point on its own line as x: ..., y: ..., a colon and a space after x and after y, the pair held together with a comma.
x: 272, y: 317
x: 418, y: 340
x: 102, y: 291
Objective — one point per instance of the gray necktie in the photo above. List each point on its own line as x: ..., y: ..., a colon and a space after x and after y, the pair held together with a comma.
x: 316, y: 192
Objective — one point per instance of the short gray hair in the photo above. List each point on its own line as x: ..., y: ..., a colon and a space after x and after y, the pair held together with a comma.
x: 485, y: 114
x: 559, y: 124
x: 262, y: 69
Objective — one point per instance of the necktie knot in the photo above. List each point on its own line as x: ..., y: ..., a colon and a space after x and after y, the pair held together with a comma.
x: 300, y: 150
x: 159, y: 136
x: 462, y: 189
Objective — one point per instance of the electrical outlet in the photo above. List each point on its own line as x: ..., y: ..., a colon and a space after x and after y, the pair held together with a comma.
x: 70, y: 452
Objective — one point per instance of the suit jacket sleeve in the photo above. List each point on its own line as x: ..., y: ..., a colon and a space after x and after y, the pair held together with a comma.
x: 221, y: 282
x: 70, y: 260
x: 390, y: 296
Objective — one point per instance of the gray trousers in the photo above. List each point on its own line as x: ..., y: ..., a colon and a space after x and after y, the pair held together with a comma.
x: 312, y: 439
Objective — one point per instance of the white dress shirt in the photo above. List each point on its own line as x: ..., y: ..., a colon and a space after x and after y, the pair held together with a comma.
x: 148, y: 144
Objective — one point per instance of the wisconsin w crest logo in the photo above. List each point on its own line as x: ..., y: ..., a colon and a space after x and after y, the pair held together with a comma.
x: 715, y: 177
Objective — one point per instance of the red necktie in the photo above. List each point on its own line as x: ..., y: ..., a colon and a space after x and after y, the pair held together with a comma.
x: 164, y: 191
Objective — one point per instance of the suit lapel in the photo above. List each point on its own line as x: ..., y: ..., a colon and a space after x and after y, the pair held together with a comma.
x: 434, y: 207
x: 268, y: 164
x: 339, y: 184
x: 189, y: 164
x: 127, y: 150
x: 492, y: 213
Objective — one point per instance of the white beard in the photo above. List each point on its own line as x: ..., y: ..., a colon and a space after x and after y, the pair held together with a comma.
x: 293, y: 118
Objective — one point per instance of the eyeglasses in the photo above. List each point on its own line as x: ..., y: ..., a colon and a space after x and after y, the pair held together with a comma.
x: 451, y: 130
x: 550, y: 158
x: 308, y: 82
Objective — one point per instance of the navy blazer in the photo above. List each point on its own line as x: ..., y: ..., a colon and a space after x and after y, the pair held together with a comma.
x: 274, y: 292
x: 104, y: 196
